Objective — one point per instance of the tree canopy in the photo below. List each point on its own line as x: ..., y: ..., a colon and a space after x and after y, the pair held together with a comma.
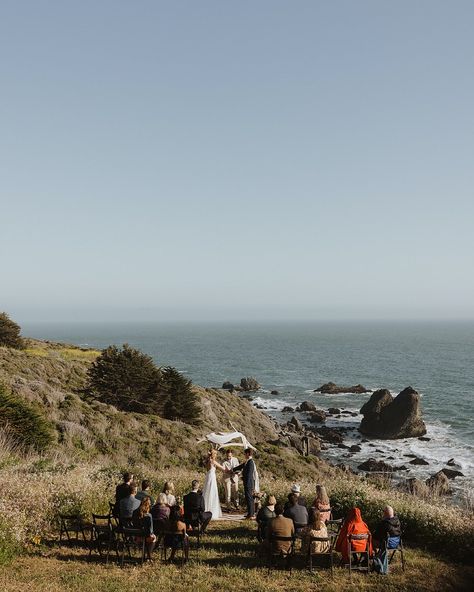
x: 10, y: 332
x: 128, y: 379
x: 26, y: 424
x: 182, y: 401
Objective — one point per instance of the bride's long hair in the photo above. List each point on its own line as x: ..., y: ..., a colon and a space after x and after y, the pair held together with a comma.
x: 211, y: 455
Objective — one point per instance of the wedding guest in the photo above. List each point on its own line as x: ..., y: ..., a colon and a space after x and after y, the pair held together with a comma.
x: 280, y: 526
x: 128, y: 505
x: 194, y: 509
x: 161, y: 510
x: 316, y: 528
x: 353, y: 524
x: 145, y: 492
x: 122, y: 490
x: 142, y: 518
x: 168, y: 490
x: 230, y: 480
x: 321, y: 502
x: 174, y: 536
x: 297, y: 513
x: 295, y: 490
x: 264, y: 515
x: 389, y: 527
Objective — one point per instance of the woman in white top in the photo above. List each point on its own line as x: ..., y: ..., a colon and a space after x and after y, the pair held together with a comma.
x: 168, y: 490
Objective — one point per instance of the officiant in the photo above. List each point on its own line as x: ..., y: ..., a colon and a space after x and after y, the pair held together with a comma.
x: 230, y: 480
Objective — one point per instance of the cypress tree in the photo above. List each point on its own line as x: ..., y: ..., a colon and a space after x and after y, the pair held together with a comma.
x: 10, y: 332
x: 182, y: 402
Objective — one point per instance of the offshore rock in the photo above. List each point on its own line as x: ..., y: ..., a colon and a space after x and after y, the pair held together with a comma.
x: 330, y: 388
x: 306, y: 406
x: 228, y: 386
x: 249, y: 384
x: 376, y: 466
x: 389, y: 418
x: 317, y: 416
x: 439, y: 484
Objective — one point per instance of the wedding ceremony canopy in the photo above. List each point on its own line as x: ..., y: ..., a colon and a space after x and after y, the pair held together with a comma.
x: 227, y: 440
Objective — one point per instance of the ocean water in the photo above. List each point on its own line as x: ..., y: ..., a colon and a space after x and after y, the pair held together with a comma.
x: 437, y: 359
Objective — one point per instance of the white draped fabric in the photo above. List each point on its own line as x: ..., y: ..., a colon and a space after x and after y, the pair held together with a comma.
x: 227, y: 440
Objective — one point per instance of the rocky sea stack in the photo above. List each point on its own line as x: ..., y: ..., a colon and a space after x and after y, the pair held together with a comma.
x: 388, y: 417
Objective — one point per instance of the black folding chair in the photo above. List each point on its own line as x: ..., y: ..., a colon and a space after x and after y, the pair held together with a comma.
x: 177, y: 536
x: 363, y: 562
x: 73, y: 523
x: 193, y: 528
x: 333, y: 527
x: 275, y: 554
x: 103, y: 536
x: 328, y: 553
x: 132, y: 538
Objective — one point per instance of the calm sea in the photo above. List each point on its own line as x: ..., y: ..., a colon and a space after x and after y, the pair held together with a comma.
x: 437, y: 359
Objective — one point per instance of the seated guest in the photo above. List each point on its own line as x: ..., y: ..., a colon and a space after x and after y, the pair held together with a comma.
x: 160, y: 510
x: 353, y: 524
x: 295, y: 490
x: 128, y: 505
x: 145, y: 492
x: 316, y: 528
x: 280, y: 526
x: 122, y: 490
x: 321, y: 503
x: 297, y: 513
x: 141, y: 518
x: 264, y: 515
x: 175, y: 529
x: 388, y: 530
x: 194, y: 509
x: 168, y: 490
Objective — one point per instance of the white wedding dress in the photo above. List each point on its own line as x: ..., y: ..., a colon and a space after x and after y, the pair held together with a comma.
x: 210, y: 494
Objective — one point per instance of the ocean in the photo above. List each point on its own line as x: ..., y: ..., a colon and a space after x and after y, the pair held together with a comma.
x: 294, y: 358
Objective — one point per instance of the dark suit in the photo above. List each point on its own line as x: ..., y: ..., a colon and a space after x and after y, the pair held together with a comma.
x: 248, y: 470
x: 195, y: 511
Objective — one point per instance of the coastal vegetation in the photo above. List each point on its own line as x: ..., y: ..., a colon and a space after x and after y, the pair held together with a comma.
x: 95, y: 440
x: 10, y: 332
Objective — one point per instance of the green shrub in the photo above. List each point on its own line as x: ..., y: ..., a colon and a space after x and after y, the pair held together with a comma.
x: 182, y: 402
x: 127, y: 379
x: 23, y: 422
x: 9, y: 546
x: 10, y: 332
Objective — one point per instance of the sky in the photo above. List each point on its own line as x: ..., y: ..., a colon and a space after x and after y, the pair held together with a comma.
x: 217, y: 160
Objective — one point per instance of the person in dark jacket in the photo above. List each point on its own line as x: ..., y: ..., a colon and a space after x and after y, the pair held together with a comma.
x: 194, y: 508
x: 388, y: 529
x: 122, y: 490
x: 248, y: 477
x: 298, y: 513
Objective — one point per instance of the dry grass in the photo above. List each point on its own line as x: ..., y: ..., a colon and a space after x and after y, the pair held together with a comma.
x: 227, y: 561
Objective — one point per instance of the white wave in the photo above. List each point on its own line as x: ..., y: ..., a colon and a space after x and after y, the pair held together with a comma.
x: 270, y: 404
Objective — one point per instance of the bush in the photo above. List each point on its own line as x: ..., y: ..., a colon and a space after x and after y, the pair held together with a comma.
x: 24, y: 423
x: 10, y: 332
x: 127, y: 379
x: 182, y: 402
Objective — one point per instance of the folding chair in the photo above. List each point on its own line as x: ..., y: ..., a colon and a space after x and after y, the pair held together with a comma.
x: 333, y: 527
x: 72, y: 523
x: 195, y: 531
x: 365, y: 554
x: 103, y: 535
x: 178, y: 535
x: 132, y: 538
x: 275, y: 554
x: 329, y: 553
x: 398, y: 548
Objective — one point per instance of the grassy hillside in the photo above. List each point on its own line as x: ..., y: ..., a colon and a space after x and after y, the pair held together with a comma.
x: 93, y: 442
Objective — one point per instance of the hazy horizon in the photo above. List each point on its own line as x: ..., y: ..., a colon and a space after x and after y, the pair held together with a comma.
x: 218, y: 161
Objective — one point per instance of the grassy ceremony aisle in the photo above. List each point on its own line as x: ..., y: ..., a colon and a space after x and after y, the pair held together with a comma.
x: 227, y: 561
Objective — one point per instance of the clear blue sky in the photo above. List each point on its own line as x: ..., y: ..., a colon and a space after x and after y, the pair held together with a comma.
x: 230, y: 160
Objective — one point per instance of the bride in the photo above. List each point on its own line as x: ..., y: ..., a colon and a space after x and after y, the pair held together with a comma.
x: 209, y: 490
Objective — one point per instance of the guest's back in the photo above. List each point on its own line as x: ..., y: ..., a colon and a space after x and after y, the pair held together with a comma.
x: 281, y: 526
x: 297, y: 513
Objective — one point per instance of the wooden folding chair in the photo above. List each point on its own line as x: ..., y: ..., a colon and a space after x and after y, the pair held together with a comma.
x: 275, y: 554
x: 392, y: 551
x: 132, y: 538
x: 363, y: 564
x: 103, y: 536
x: 329, y: 553
x: 72, y: 523
x: 164, y: 549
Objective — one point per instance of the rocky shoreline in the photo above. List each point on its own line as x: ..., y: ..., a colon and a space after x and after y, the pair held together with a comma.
x: 384, y: 417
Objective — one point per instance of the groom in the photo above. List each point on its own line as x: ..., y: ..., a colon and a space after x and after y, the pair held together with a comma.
x: 250, y: 479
